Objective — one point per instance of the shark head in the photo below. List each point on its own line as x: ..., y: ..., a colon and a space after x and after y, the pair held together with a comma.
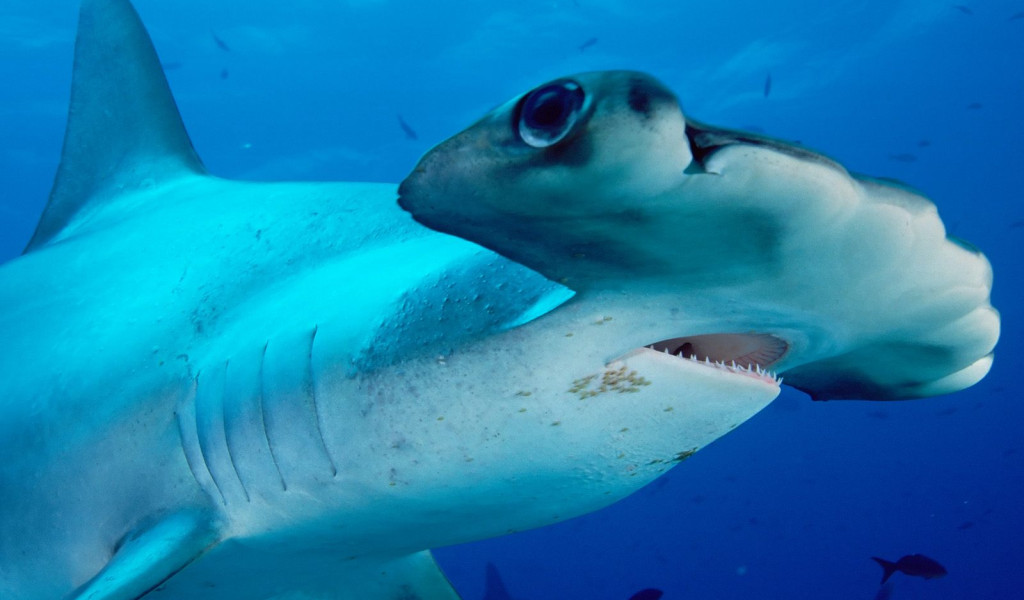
x: 739, y: 247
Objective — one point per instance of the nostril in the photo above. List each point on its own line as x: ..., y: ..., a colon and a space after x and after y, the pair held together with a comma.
x: 639, y: 99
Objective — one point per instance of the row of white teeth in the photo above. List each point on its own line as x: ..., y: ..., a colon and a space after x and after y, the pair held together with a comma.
x: 732, y: 366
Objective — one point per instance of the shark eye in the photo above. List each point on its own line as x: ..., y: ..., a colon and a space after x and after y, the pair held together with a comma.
x: 547, y: 114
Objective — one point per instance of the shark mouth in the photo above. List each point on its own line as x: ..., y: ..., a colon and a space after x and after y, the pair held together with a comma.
x: 745, y: 353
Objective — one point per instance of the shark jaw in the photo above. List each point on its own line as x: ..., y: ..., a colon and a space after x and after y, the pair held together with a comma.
x: 751, y: 370
x: 748, y: 353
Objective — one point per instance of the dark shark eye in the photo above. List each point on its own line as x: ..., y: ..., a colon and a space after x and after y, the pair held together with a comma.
x: 548, y: 113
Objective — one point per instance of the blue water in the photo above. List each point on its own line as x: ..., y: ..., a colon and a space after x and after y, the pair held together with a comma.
x: 793, y: 503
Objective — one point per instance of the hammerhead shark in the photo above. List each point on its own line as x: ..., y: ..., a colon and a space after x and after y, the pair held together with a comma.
x: 227, y: 389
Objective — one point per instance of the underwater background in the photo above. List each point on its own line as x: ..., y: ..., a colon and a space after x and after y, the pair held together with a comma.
x: 795, y: 502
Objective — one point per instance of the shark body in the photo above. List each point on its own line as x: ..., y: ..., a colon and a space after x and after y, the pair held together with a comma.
x: 223, y: 389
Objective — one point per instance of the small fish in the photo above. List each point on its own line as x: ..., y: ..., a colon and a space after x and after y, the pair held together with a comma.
x: 494, y: 587
x: 767, y: 85
x: 1016, y: 17
x: 965, y: 525
x: 924, y: 144
x: 170, y: 66
x: 974, y: 106
x: 409, y: 132
x: 588, y: 44
x: 647, y: 594
x: 223, y: 73
x: 964, y: 9
x: 220, y: 43
x: 916, y: 565
x: 904, y: 157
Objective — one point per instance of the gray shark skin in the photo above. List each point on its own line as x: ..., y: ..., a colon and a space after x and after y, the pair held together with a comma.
x: 224, y: 389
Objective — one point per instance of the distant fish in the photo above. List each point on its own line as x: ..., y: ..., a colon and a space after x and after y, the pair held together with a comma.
x: 220, y: 43
x: 170, y: 66
x: 904, y: 157
x: 494, y: 587
x: 1016, y: 17
x: 588, y: 44
x: 915, y: 565
x: 647, y: 594
x: 965, y: 525
x: 767, y: 85
x: 409, y: 132
x: 974, y: 106
x: 924, y: 144
x: 223, y: 73
x: 964, y: 9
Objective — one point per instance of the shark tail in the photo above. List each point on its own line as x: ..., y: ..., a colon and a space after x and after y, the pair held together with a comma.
x: 888, y: 567
x: 124, y: 131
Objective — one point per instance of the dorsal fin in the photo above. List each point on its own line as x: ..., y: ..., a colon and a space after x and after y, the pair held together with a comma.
x: 123, y: 131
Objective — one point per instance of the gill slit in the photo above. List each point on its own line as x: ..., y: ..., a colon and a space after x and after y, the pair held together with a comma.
x: 316, y: 407
x: 202, y: 446
x: 224, y: 424
x: 183, y: 432
x: 263, y: 418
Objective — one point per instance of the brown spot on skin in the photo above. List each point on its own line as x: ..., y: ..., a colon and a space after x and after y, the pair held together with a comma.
x: 685, y: 454
x: 618, y: 380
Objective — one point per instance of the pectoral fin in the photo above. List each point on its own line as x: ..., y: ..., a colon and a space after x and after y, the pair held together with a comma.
x: 148, y: 556
x: 416, y: 577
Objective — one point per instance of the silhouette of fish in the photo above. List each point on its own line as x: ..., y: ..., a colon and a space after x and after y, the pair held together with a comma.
x: 220, y: 43
x: 1016, y: 16
x: 974, y: 106
x: 409, y: 131
x: 494, y: 587
x: 588, y: 44
x: 915, y: 565
x: 647, y: 594
x: 768, y: 85
x: 964, y: 9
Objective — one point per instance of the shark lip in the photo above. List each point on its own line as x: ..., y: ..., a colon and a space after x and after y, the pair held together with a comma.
x: 743, y: 353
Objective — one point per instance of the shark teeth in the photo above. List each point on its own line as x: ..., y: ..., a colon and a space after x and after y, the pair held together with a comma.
x: 751, y: 370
